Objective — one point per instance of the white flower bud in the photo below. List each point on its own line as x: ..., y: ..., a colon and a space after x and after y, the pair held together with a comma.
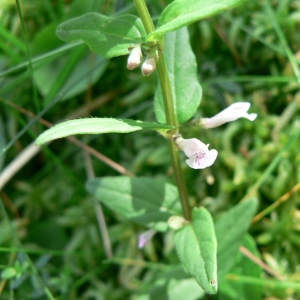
x: 231, y: 113
x: 200, y: 157
x: 148, y: 66
x: 176, y: 222
x: 134, y: 58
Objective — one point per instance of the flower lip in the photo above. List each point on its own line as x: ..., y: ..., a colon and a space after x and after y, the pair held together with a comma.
x: 231, y: 113
x: 199, y: 156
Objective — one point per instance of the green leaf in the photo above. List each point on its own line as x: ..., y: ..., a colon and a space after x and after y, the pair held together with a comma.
x: 173, y: 284
x: 106, y: 36
x: 8, y: 273
x: 184, y: 12
x: 196, y: 246
x: 147, y: 201
x: 230, y: 230
x: 96, y: 126
x: 182, y: 68
x: 249, y: 268
x: 2, y: 142
x: 46, y: 75
x: 231, y: 289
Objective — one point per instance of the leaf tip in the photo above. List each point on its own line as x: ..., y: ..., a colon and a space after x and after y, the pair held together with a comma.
x: 214, y: 286
x: 38, y: 142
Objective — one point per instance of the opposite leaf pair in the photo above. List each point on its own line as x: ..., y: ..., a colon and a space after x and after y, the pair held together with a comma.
x: 199, y: 155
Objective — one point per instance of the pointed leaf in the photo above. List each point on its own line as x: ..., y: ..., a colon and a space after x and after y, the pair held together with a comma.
x: 196, y: 246
x: 106, y: 36
x: 47, y: 74
x: 95, y: 126
x: 182, y: 68
x: 147, y: 201
x: 184, y: 12
x: 230, y: 230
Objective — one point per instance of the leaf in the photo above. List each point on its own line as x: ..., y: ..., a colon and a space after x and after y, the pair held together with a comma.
x: 147, y: 201
x: 47, y: 74
x: 251, y: 268
x: 8, y: 273
x: 182, y: 68
x: 2, y: 142
x: 184, y: 12
x: 172, y: 284
x: 231, y: 289
x: 95, y: 126
x: 196, y: 246
x: 104, y: 35
x: 248, y: 268
x: 230, y: 230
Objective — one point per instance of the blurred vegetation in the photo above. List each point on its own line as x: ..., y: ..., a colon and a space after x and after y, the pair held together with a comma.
x: 51, y: 246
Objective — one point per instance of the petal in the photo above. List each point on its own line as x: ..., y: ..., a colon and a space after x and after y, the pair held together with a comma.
x: 145, y: 237
x: 203, y: 159
x: 231, y: 113
x: 250, y: 117
x: 191, y: 146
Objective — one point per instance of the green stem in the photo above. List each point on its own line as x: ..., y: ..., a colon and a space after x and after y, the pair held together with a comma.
x: 143, y: 12
x: 169, y: 109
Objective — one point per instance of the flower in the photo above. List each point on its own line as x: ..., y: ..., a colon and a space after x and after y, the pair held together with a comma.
x: 134, y: 58
x: 148, y: 66
x: 231, y: 113
x: 200, y: 157
x: 145, y: 237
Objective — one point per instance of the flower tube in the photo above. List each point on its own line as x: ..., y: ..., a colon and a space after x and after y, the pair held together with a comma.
x: 231, y: 113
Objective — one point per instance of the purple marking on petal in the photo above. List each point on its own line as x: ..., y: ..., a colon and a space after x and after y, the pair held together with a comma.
x: 145, y: 237
x: 199, y: 155
x: 202, y: 160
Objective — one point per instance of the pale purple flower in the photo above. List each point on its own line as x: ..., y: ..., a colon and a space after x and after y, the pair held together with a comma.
x: 200, y: 157
x: 148, y: 66
x: 145, y: 237
x: 134, y: 58
x: 231, y: 113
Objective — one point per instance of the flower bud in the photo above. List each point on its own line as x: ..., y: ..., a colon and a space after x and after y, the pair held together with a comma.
x: 148, y: 66
x: 134, y: 58
x: 231, y: 113
x: 176, y: 222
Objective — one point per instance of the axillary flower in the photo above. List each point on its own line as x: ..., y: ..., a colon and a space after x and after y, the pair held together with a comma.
x: 231, y: 113
x: 200, y: 157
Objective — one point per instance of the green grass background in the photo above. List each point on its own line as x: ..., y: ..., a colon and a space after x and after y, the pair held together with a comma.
x: 50, y: 228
